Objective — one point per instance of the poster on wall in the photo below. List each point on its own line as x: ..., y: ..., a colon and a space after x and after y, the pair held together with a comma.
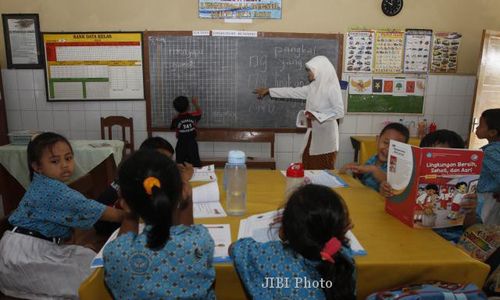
x: 359, y: 51
x: 445, y: 52
x: 93, y: 66
x: 239, y: 9
x: 417, y: 50
x: 386, y: 94
x: 22, y: 41
x: 389, y: 52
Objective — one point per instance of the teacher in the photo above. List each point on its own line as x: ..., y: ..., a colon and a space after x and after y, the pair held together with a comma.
x: 323, y: 96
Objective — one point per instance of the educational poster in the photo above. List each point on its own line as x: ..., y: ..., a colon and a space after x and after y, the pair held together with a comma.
x: 445, y: 52
x: 247, y: 9
x: 389, y: 52
x: 360, y: 85
x: 417, y: 50
x: 386, y: 94
x: 93, y: 66
x: 359, y: 51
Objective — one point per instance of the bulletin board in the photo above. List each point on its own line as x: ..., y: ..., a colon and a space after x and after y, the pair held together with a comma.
x: 93, y: 66
x: 386, y: 94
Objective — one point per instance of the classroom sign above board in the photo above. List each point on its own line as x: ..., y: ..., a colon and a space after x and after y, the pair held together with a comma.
x: 93, y: 66
x: 223, y: 72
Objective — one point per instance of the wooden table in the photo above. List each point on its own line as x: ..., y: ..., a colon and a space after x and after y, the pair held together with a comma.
x: 366, y: 145
x: 97, y: 163
x: 396, y: 253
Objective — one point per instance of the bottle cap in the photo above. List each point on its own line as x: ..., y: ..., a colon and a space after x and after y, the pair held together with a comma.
x: 236, y: 157
x: 295, y: 170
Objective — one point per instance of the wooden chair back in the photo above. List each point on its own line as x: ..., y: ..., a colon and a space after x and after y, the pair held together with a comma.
x: 107, y: 124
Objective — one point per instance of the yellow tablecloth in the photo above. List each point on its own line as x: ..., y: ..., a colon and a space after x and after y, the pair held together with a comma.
x: 367, y: 146
x: 87, y: 154
x: 396, y: 253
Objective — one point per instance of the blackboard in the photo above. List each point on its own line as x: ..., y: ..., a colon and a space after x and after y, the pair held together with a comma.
x: 223, y: 72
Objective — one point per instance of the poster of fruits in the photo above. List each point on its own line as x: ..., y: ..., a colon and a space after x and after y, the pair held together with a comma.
x: 445, y: 52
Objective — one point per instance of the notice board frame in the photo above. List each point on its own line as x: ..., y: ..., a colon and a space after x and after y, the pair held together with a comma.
x: 94, y: 38
x: 339, y: 37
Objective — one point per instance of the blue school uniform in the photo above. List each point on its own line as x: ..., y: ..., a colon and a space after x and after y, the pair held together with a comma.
x: 52, y: 208
x: 368, y: 179
x: 489, y: 183
x: 181, y: 269
x: 273, y: 271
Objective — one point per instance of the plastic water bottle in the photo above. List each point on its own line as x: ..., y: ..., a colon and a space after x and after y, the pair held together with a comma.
x: 294, y: 178
x: 235, y: 182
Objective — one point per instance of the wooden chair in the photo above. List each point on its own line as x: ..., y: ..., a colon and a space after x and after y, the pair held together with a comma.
x: 238, y: 136
x: 124, y: 123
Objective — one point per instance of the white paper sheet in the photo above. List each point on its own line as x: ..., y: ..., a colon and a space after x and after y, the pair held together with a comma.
x: 206, y: 201
x: 207, y: 173
x: 221, y: 234
x: 323, y: 177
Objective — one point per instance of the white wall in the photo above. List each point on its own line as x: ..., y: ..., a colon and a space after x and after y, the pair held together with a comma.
x: 448, y: 102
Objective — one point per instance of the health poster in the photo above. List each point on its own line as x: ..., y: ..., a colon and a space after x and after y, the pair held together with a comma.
x: 389, y: 52
x: 93, y: 66
x: 417, y: 50
x: 359, y: 51
x: 445, y: 52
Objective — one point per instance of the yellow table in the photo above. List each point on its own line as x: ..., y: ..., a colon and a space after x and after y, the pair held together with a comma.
x: 396, y: 253
x: 366, y: 145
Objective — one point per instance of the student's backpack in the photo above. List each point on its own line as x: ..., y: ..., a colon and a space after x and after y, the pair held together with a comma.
x: 431, y: 291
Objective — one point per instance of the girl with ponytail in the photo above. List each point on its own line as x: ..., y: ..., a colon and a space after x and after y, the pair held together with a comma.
x: 313, y: 259
x: 171, y: 258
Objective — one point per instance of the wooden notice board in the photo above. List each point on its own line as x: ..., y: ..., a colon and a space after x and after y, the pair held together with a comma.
x: 223, y: 71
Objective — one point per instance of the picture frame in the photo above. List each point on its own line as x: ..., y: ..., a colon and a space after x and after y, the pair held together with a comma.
x: 22, y: 41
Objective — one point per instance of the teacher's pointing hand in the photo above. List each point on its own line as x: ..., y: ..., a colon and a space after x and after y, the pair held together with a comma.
x: 261, y: 92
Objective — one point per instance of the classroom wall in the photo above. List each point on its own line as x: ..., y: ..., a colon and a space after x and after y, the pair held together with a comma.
x: 448, y: 102
x: 323, y: 16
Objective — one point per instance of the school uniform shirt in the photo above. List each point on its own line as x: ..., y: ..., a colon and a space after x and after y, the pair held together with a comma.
x: 489, y: 183
x: 322, y: 95
x: 34, y: 268
x: 52, y: 208
x: 186, y: 149
x: 273, y: 271
x: 182, y: 269
x: 368, y: 179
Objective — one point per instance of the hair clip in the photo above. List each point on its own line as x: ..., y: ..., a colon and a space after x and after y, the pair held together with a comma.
x: 149, y: 183
x: 330, y: 249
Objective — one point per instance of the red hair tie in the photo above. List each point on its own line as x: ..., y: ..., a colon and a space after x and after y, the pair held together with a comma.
x: 331, y: 247
x: 149, y: 183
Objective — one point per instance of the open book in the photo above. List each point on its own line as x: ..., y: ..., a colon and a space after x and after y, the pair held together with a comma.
x: 322, y: 177
x: 206, y: 201
x: 301, y: 121
x: 265, y: 227
x: 220, y: 233
x: 430, y: 184
x: 206, y: 173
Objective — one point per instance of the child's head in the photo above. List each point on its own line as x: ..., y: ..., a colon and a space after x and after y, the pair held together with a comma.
x: 489, y: 125
x: 431, y: 189
x: 461, y: 187
x: 51, y: 154
x: 159, y: 144
x: 181, y: 104
x: 151, y: 185
x: 442, y: 138
x: 313, y: 216
x: 392, y: 131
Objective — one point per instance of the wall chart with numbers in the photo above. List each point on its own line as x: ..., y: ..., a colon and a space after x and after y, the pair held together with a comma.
x: 93, y: 66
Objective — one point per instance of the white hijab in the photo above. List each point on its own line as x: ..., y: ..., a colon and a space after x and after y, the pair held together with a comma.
x: 324, y: 91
